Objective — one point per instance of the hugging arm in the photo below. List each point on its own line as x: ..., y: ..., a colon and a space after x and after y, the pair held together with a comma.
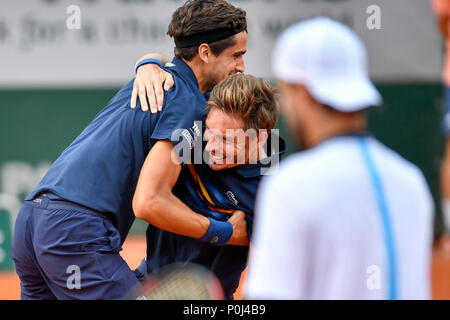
x: 150, y: 83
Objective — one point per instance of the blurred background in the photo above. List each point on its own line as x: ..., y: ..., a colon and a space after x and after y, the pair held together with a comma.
x: 61, y: 61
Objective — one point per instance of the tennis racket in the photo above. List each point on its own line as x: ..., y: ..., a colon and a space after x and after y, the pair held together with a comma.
x: 180, y: 282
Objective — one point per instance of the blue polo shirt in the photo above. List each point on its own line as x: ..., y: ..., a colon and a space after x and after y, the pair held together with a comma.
x: 214, y: 194
x: 100, y: 169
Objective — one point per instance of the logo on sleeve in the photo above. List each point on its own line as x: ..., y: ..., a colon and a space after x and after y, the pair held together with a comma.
x: 197, y: 130
x: 193, y: 134
x: 187, y: 136
x: 232, y: 197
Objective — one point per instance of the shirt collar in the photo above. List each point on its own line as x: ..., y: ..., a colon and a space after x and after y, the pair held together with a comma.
x: 352, y: 133
x: 183, y: 70
x: 254, y: 170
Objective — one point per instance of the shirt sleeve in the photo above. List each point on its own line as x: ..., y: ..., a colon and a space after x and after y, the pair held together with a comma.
x: 279, y: 260
x: 177, y: 123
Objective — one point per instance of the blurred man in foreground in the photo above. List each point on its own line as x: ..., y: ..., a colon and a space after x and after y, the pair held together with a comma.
x: 347, y: 218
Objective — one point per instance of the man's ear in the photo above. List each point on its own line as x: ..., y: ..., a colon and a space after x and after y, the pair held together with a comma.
x: 303, y: 91
x: 204, y: 52
x: 262, y: 138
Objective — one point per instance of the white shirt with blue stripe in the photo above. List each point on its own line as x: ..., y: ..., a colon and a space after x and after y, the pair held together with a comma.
x: 347, y: 219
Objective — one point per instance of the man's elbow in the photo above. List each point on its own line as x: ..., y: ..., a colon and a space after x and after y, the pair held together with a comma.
x: 146, y: 209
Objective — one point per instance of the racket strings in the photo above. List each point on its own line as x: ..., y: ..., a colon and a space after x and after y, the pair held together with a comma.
x: 178, y: 286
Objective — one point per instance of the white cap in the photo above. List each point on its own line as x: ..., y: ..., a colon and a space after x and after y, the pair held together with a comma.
x: 330, y: 60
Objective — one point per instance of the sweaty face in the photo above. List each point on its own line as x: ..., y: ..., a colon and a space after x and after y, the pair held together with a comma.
x: 227, y: 143
x: 228, y: 62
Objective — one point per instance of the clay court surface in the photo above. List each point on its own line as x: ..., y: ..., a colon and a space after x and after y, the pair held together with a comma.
x: 134, y: 250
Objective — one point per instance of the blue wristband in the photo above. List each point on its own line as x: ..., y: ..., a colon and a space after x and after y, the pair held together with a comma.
x: 218, y: 233
x: 147, y: 61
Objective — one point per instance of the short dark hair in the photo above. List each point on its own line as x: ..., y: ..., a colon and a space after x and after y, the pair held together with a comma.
x: 197, y: 16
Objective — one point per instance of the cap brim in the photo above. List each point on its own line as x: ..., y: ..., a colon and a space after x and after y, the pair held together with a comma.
x: 347, y: 95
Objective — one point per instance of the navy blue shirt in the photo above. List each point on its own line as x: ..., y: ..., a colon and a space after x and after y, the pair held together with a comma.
x: 214, y: 194
x: 100, y: 169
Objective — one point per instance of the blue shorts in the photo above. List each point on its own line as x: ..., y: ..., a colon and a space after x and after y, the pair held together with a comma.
x: 446, y: 121
x: 64, y: 251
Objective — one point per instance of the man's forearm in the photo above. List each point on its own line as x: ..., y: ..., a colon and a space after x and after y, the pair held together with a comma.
x: 169, y: 213
x: 154, y: 55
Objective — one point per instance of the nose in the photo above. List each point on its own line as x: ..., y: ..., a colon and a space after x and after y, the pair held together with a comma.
x: 210, y: 145
x: 240, y: 66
